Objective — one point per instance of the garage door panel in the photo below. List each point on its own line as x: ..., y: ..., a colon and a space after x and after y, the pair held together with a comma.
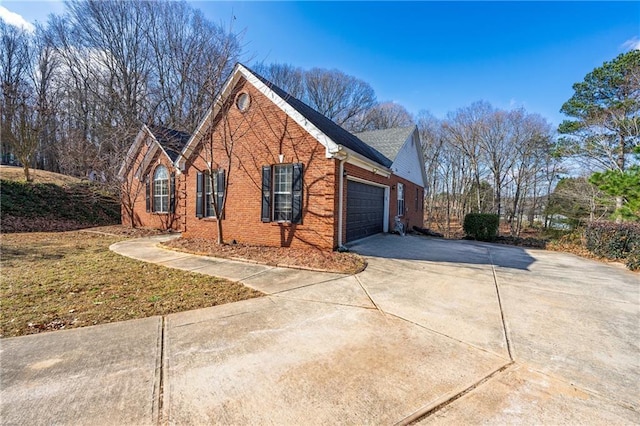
x: 365, y: 210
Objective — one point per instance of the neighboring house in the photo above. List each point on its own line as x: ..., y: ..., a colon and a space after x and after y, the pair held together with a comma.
x: 149, y: 196
x: 282, y: 174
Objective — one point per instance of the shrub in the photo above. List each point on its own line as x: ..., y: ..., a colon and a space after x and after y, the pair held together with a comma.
x: 614, y: 240
x: 481, y: 226
x: 633, y: 259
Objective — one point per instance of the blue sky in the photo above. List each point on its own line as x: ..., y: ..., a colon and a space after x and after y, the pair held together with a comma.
x: 435, y: 56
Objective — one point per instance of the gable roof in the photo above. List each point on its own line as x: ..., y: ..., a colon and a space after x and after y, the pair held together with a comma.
x: 172, y: 141
x: 328, y: 127
x: 387, y: 141
x: 334, y: 138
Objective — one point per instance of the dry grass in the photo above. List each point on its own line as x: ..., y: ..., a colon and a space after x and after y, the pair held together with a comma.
x: 39, y: 176
x: 346, y: 263
x: 53, y: 281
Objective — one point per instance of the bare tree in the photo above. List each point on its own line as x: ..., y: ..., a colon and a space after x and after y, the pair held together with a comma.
x: 462, y: 130
x: 487, y: 160
x: 285, y: 76
x: 338, y: 96
x: 127, y: 63
x: 19, y: 128
x: 386, y: 115
x: 191, y: 58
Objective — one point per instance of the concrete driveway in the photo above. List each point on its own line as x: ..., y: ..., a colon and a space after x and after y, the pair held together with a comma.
x: 570, y: 325
x: 433, y: 331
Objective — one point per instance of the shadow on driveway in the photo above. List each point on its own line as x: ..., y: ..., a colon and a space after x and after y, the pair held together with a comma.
x: 413, y: 247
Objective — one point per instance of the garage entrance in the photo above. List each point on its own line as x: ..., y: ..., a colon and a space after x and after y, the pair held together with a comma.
x: 365, y: 210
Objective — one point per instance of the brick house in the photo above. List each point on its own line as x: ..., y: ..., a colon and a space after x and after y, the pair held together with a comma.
x: 281, y: 174
x: 148, y: 177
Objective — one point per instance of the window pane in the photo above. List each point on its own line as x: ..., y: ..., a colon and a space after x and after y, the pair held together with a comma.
x: 161, y: 190
x: 282, y: 192
x: 209, y: 210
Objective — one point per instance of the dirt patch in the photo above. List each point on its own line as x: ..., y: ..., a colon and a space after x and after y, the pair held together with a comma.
x: 346, y: 263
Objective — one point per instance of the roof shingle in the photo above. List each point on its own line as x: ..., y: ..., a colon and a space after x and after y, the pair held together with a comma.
x: 387, y: 141
x: 172, y: 141
x: 328, y: 127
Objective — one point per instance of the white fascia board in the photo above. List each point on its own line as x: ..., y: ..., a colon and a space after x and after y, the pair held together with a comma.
x: 330, y: 146
x: 416, y: 135
x: 195, y: 137
x: 146, y: 161
x: 190, y: 146
x: 363, y: 162
x: 133, y: 149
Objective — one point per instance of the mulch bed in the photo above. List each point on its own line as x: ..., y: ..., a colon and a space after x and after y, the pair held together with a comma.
x: 346, y: 263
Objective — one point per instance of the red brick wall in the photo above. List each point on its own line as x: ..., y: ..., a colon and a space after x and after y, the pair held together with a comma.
x: 412, y: 216
x: 133, y: 206
x: 259, y: 135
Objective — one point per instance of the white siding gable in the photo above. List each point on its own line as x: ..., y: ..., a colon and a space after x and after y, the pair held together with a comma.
x: 408, y: 163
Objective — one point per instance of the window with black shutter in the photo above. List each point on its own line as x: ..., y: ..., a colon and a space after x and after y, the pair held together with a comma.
x: 148, y: 194
x: 210, y: 193
x: 172, y: 193
x: 282, y: 186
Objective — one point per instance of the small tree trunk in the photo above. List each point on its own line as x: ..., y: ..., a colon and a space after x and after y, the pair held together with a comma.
x: 621, y: 165
x: 219, y: 225
x: 27, y: 174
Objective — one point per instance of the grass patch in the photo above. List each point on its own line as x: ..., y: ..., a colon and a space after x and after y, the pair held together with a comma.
x: 53, y: 281
x: 39, y: 176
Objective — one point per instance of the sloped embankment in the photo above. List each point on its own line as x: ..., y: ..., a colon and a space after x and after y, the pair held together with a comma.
x: 41, y: 207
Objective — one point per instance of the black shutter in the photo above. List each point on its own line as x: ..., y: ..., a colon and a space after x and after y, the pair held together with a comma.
x: 148, y: 194
x: 172, y: 193
x: 266, y: 193
x: 220, y: 193
x: 297, y: 193
x: 199, y: 188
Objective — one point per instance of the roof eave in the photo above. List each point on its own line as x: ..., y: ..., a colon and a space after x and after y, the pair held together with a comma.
x: 126, y: 164
x: 363, y: 162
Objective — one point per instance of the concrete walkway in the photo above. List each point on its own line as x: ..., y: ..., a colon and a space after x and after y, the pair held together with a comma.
x: 443, y: 332
x: 267, y: 279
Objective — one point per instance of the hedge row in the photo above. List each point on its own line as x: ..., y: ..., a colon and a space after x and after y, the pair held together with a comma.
x: 481, y: 226
x: 616, y: 241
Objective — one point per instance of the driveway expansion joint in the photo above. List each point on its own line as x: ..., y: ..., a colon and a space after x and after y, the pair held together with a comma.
x: 369, y: 296
x: 435, y: 406
x: 158, y: 392
x: 275, y: 293
x: 324, y: 302
x: 502, y: 316
x: 448, y: 336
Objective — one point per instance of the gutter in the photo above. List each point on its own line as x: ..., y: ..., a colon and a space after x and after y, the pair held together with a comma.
x: 341, y: 156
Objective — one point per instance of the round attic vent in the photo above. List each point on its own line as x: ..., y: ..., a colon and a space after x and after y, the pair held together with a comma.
x: 243, y: 101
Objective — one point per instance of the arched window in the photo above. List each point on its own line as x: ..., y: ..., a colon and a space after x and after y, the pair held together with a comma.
x: 161, y: 190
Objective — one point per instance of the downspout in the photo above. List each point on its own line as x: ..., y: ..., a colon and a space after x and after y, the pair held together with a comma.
x: 340, y: 200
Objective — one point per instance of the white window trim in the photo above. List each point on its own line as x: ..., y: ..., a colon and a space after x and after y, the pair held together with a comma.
x: 159, y: 184
x: 211, y: 179
x: 400, y: 195
x: 274, y: 193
